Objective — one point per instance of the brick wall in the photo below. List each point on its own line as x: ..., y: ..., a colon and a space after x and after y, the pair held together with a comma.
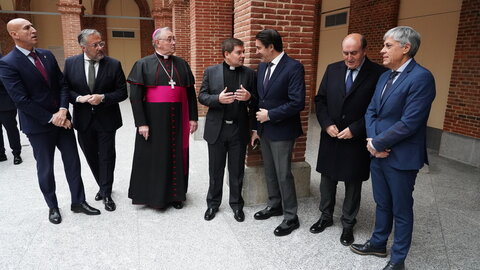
x: 210, y: 24
x: 463, y: 105
x: 295, y: 21
x: 70, y: 10
x: 181, y: 28
x: 6, y: 42
x: 373, y: 19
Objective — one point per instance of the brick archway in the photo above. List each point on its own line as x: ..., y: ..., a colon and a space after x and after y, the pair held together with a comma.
x: 6, y: 43
x: 146, y: 27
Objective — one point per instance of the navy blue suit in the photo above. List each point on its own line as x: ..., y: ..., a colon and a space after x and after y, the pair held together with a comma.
x: 97, y: 125
x: 284, y: 98
x: 37, y: 100
x: 398, y: 122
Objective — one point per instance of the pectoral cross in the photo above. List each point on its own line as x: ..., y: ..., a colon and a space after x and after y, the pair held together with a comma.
x: 172, y: 83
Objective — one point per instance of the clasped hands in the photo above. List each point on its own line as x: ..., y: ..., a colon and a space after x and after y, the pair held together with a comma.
x: 93, y: 99
x: 59, y: 119
x: 145, y: 130
x: 229, y: 97
x: 333, y: 131
x: 376, y: 153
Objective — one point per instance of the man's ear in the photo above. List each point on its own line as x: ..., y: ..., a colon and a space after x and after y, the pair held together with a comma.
x: 406, y: 48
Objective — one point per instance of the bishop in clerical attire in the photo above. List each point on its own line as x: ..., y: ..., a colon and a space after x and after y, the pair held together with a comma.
x: 164, y: 107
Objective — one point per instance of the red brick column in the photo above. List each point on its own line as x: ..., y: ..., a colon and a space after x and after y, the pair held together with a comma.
x: 70, y: 10
x: 295, y: 21
x: 210, y: 24
x: 463, y: 105
x: 181, y: 28
x: 373, y: 19
x: 162, y: 17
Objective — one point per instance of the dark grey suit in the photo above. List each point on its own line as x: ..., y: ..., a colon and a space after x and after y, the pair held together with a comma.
x: 223, y: 138
x: 8, y: 115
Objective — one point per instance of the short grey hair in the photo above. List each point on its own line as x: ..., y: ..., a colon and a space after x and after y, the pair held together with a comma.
x: 82, y: 36
x: 158, y: 32
x: 404, y: 35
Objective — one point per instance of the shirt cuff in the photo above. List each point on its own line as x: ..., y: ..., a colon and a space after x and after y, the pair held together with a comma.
x: 371, y: 145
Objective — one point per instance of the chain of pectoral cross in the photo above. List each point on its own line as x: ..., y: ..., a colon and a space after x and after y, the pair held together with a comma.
x: 170, y: 76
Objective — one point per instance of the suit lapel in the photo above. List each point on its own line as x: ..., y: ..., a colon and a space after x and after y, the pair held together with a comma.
x: 80, y: 64
x: 361, y: 76
x: 262, y: 67
x: 276, y: 72
x: 101, y: 66
x: 398, y: 82
x: 218, y: 73
x: 25, y: 62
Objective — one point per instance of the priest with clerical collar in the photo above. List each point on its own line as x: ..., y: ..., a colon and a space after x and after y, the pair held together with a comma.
x: 227, y: 89
x: 164, y: 107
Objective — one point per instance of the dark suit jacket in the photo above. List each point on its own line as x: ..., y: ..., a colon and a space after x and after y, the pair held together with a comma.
x: 212, y: 85
x: 284, y: 99
x: 398, y: 121
x: 110, y: 81
x: 345, y: 160
x: 6, y: 103
x: 36, y: 99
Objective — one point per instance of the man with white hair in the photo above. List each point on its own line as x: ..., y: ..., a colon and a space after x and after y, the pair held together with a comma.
x: 164, y: 107
x: 396, y: 123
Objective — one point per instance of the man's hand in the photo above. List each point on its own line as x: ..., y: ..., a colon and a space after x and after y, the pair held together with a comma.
x: 143, y: 130
x: 262, y: 116
x: 95, y: 99
x: 332, y: 130
x: 242, y: 94
x: 254, y: 137
x: 226, y: 97
x: 374, y: 152
x: 193, y: 126
x: 345, y: 134
x: 83, y: 99
x: 67, y: 124
x: 58, y: 118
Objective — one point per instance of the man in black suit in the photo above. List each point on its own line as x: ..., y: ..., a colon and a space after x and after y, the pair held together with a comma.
x: 226, y: 91
x: 8, y: 115
x: 281, y: 98
x: 35, y: 83
x: 97, y: 85
x: 343, y: 97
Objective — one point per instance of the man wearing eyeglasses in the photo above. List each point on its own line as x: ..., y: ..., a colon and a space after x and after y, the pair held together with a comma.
x: 97, y: 85
x: 164, y: 107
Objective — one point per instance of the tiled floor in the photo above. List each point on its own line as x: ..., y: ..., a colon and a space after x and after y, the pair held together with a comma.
x: 446, y: 230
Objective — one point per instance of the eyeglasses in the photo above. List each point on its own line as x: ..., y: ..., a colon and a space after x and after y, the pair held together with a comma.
x: 169, y: 39
x: 100, y: 44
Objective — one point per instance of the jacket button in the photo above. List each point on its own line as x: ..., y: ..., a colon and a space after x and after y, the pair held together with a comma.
x: 343, y: 116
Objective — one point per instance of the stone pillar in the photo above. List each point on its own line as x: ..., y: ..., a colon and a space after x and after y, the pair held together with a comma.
x: 362, y: 20
x: 211, y: 22
x: 70, y: 10
x: 295, y: 21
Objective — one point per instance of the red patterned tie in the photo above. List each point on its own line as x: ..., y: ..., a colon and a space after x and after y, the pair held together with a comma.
x: 39, y: 65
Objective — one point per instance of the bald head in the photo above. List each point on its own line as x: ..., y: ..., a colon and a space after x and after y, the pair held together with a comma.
x: 23, y: 33
x: 354, y: 50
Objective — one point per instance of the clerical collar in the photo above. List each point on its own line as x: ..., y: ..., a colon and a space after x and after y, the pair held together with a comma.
x: 228, y: 66
x: 163, y: 56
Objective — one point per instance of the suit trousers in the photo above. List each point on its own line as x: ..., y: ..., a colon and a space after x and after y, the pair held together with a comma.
x: 228, y: 145
x: 98, y: 146
x: 351, y: 202
x: 277, y: 159
x: 9, y: 122
x: 43, y: 145
x: 392, y: 192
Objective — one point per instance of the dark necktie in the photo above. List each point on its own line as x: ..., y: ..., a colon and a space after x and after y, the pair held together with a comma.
x: 39, y: 65
x: 91, y: 74
x: 349, y: 82
x: 389, y: 83
x: 267, y: 77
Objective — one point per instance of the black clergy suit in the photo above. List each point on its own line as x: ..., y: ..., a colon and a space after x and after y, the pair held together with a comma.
x: 8, y: 115
x: 226, y: 136
x: 97, y: 124
x: 37, y: 100
x: 284, y: 98
x: 344, y: 160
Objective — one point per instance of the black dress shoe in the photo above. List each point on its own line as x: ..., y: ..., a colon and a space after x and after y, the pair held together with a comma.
x: 267, y: 213
x: 84, y: 208
x: 3, y: 157
x: 210, y: 213
x: 98, y: 197
x: 394, y: 266
x: 17, y: 159
x: 54, y: 215
x: 177, y: 205
x: 368, y: 249
x: 347, y: 237
x: 321, y: 225
x: 286, y: 227
x: 239, y: 215
x: 109, y: 203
